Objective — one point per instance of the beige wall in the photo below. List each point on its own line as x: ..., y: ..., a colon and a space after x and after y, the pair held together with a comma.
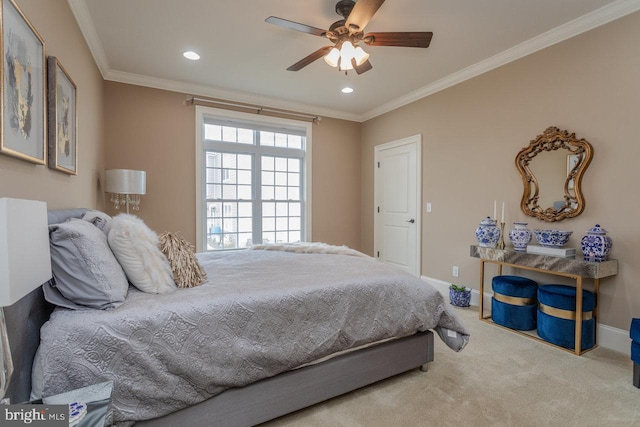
x: 336, y: 183
x: 473, y: 131
x: 154, y: 130
x: 55, y: 23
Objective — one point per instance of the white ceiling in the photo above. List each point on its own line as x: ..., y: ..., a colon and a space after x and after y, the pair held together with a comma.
x: 244, y: 58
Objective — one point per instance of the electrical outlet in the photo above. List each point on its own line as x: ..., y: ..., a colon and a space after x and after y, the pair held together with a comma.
x: 428, y: 207
x: 456, y: 271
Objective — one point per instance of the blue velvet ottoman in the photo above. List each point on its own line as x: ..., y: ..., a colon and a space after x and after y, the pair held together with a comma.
x: 514, y: 302
x: 634, y: 333
x: 556, y: 316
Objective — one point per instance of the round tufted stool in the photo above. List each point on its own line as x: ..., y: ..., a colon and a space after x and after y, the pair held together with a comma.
x: 514, y: 302
x: 557, y: 317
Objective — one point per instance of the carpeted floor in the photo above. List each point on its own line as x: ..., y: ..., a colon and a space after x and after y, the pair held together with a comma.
x: 499, y: 379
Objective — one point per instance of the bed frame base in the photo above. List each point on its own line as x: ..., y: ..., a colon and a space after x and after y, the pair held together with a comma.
x: 288, y: 392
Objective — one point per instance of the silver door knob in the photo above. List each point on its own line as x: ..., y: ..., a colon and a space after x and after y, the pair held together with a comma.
x: 411, y: 220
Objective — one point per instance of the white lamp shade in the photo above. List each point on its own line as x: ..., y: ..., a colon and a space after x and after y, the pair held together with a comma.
x: 332, y: 57
x: 347, y: 50
x: 25, y: 260
x: 125, y: 181
x: 360, y: 55
x: 345, y: 65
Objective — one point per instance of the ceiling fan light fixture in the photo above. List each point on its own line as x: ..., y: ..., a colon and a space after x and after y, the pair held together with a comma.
x: 360, y: 55
x: 344, y: 65
x: 347, y: 49
x: 346, y: 53
x: 332, y: 57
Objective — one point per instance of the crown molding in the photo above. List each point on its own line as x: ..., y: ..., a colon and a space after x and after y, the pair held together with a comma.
x: 573, y: 28
x: 80, y: 11
x: 208, y: 91
x: 587, y: 22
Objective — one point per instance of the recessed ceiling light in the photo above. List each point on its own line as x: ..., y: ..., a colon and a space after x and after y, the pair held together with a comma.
x: 347, y: 89
x: 191, y: 55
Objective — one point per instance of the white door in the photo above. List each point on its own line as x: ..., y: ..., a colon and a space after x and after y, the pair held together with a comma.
x: 397, y: 203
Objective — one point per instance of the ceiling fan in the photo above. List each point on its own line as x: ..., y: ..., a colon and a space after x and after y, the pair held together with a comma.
x: 347, y: 33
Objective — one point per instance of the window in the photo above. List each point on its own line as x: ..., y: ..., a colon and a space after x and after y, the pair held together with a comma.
x: 251, y: 178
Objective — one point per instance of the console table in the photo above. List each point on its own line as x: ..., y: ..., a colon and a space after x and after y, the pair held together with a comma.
x: 577, y: 269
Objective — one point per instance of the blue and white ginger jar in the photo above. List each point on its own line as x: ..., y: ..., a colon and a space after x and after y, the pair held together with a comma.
x: 488, y: 233
x: 520, y: 236
x: 596, y: 245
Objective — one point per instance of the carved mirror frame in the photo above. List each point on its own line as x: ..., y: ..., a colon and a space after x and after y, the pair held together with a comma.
x: 551, y: 140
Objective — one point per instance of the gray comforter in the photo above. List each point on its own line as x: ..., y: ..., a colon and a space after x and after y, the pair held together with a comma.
x: 261, y: 313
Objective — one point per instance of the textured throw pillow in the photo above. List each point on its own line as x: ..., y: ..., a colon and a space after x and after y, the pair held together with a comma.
x: 99, y: 219
x: 85, y: 271
x: 136, y: 248
x: 187, y: 271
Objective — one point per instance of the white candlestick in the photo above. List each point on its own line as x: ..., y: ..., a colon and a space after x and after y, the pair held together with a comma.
x: 494, y: 209
x: 502, y: 217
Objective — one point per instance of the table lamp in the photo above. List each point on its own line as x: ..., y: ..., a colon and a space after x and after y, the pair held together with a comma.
x: 126, y: 186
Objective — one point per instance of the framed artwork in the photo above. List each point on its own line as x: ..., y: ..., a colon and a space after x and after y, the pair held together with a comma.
x: 22, y: 83
x: 62, y: 128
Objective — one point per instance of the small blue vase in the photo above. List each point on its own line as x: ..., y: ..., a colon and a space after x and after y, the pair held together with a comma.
x: 488, y: 233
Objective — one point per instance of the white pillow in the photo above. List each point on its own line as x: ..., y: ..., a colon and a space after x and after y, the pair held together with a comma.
x: 136, y: 247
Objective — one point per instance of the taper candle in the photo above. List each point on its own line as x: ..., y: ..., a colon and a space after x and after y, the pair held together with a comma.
x: 502, y: 217
x: 495, y: 205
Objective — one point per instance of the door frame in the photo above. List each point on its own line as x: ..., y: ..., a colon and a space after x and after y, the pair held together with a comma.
x: 378, y: 149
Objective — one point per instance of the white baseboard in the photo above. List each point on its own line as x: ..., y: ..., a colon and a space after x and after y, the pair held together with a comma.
x: 614, y: 339
x: 608, y: 337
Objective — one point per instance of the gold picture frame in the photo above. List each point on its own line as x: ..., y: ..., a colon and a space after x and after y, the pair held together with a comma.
x: 22, y: 83
x: 62, y: 115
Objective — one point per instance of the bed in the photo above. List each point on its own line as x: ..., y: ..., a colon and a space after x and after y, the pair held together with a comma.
x: 270, y: 332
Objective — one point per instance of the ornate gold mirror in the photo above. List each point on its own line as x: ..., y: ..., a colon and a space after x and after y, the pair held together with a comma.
x: 552, y: 167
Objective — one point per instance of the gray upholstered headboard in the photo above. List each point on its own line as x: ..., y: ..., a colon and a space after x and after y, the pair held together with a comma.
x: 24, y: 320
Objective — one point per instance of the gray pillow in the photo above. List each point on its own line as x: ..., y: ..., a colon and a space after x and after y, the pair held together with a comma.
x: 99, y: 219
x: 85, y: 271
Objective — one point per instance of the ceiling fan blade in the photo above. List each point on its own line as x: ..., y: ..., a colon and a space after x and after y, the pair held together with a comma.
x: 362, y: 13
x: 310, y: 58
x: 366, y: 66
x: 406, y: 39
x: 296, y: 26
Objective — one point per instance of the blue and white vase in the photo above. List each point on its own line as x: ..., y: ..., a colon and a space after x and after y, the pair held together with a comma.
x: 488, y: 233
x: 460, y: 298
x: 596, y: 244
x: 520, y: 236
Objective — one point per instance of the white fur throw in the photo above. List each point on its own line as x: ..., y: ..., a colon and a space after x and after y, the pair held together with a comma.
x: 136, y: 247
x: 309, y: 248
x: 187, y: 271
